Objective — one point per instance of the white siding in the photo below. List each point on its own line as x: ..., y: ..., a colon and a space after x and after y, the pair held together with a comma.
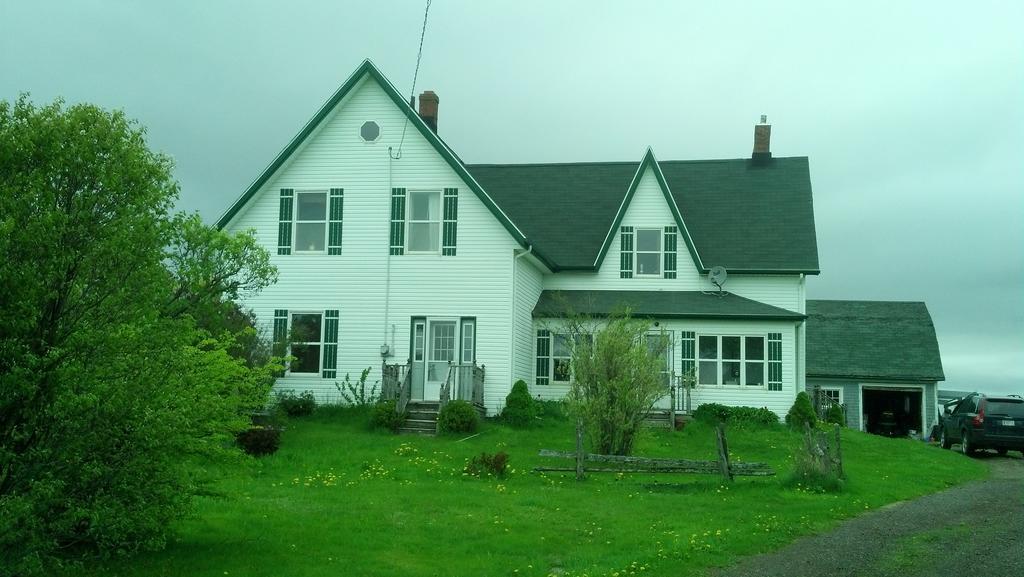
x: 649, y: 209
x: 777, y: 401
x: 476, y: 283
x: 528, y: 286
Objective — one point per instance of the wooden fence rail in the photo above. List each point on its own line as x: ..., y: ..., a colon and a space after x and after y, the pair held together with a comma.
x: 626, y: 464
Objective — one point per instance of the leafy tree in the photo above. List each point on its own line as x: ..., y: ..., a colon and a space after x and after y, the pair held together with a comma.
x: 616, y: 380
x: 120, y: 362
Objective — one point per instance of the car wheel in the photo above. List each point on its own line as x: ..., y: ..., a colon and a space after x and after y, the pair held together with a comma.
x: 1001, y: 451
x: 944, y: 440
x: 965, y: 443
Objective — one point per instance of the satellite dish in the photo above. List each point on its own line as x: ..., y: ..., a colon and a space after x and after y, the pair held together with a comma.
x: 717, y: 276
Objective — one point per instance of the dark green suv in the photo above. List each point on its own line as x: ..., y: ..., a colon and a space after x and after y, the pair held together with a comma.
x: 985, y: 422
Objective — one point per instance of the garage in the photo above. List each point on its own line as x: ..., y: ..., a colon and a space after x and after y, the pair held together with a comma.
x: 892, y: 412
x: 878, y: 360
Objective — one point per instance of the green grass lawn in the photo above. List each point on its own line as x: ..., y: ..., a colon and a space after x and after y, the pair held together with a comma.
x: 339, y: 500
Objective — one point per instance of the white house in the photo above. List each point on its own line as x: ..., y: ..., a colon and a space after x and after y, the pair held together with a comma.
x: 391, y: 249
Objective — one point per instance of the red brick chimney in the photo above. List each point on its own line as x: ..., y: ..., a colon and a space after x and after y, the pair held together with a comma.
x: 762, y: 141
x: 428, y: 108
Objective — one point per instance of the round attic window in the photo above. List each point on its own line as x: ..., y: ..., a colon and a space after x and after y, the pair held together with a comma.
x: 370, y: 132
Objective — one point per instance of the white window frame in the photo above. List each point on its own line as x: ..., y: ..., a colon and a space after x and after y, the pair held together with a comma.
x: 554, y: 357
x: 637, y: 252
x: 826, y: 390
x: 320, y: 343
x: 296, y: 222
x: 742, y: 360
x: 380, y: 131
x: 409, y: 220
x: 467, y: 340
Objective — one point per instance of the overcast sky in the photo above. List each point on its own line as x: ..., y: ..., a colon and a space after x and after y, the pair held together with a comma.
x: 912, y: 113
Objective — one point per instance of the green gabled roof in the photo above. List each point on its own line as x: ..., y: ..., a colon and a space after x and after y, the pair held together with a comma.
x: 658, y: 304
x: 367, y: 68
x: 747, y: 216
x: 877, y: 340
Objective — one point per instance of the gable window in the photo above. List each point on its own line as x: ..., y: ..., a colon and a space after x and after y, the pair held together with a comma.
x: 310, y: 221
x: 424, y: 223
x: 648, y: 251
x: 369, y: 131
x: 731, y: 360
x: 307, y: 339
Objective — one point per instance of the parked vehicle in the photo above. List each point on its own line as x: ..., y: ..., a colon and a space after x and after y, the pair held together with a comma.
x: 985, y: 422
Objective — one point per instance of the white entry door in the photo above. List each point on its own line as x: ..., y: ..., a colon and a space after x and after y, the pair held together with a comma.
x: 441, y: 349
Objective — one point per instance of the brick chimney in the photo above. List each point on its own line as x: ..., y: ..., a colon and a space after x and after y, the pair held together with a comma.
x: 762, y: 141
x: 428, y: 108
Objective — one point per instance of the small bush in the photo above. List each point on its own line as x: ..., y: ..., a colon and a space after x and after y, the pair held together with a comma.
x: 520, y: 408
x: 385, y: 417
x: 756, y: 416
x: 260, y: 440
x: 712, y: 413
x: 739, y: 416
x: 487, y: 465
x: 801, y: 412
x: 296, y: 405
x: 458, y: 417
x: 551, y: 409
x: 836, y: 415
x: 357, y: 393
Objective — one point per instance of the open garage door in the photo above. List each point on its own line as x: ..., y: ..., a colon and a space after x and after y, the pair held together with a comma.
x: 892, y: 412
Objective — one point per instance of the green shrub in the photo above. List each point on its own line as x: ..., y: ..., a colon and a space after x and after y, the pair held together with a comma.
x: 756, y: 416
x: 520, y: 408
x: 487, y: 465
x: 739, y: 416
x: 836, y: 415
x: 260, y: 440
x: 458, y: 417
x: 357, y: 393
x: 801, y: 412
x: 551, y: 409
x: 385, y: 417
x: 712, y: 413
x: 296, y: 405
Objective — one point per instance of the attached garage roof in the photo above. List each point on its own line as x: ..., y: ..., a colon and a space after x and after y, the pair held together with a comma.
x: 658, y: 304
x: 877, y: 340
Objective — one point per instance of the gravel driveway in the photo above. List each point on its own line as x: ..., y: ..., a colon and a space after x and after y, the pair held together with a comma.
x: 977, y: 527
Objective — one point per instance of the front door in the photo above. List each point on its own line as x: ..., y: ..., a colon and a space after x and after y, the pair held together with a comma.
x: 441, y: 347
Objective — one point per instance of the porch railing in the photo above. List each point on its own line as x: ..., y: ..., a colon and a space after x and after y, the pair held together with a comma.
x: 464, y: 382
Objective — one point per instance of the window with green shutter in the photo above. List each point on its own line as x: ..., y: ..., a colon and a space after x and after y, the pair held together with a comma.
x: 687, y: 347
x: 334, y: 226
x: 284, y: 225
x: 543, y: 357
x: 280, y: 332
x: 626, y: 252
x: 330, y: 356
x: 451, y: 212
x: 397, y: 221
x: 670, y: 251
x: 774, y: 361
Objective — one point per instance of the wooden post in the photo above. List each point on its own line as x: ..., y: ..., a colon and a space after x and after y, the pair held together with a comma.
x: 723, y: 452
x: 579, y: 449
x: 672, y: 403
x: 839, y: 455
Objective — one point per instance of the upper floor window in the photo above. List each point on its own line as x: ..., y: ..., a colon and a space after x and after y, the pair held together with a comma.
x: 369, y: 131
x: 310, y: 221
x: 424, y: 223
x: 648, y: 252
